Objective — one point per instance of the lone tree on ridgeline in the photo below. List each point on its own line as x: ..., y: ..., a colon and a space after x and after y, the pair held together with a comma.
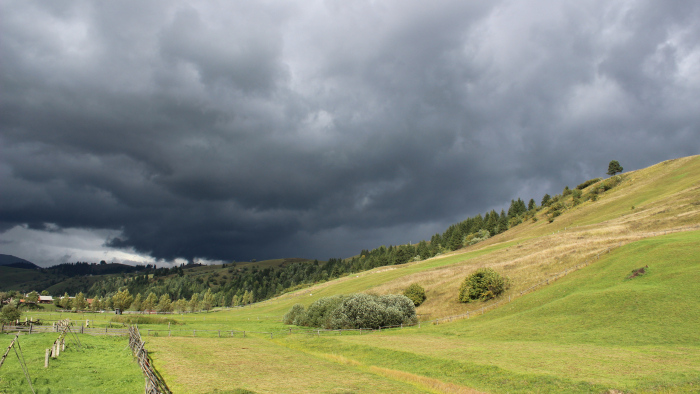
x: 614, y: 167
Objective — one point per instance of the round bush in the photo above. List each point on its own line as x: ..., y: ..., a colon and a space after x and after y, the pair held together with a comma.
x: 484, y: 284
x: 415, y: 293
x: 295, y: 315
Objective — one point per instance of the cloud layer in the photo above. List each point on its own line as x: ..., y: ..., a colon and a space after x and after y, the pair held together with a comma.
x: 238, y: 130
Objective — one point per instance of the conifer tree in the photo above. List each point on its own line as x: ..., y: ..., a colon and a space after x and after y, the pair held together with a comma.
x: 545, y: 200
x: 456, y: 239
x: 614, y: 167
x: 492, y: 222
x: 502, y: 222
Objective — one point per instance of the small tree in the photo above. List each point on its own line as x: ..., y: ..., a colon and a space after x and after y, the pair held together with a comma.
x: 137, y: 304
x: 9, y: 314
x: 208, y: 300
x: 65, y: 301
x: 122, y: 300
x: 164, y: 304
x: 483, y: 285
x: 180, y: 305
x: 33, y: 297
x: 107, y: 303
x: 415, y: 293
x: 80, y: 303
x: 193, y: 305
x: 614, y: 167
x: 96, y: 304
x: 150, y: 303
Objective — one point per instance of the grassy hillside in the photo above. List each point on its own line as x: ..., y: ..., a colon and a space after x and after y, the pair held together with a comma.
x: 588, y: 328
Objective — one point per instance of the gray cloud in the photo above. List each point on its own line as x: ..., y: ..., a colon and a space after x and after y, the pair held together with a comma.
x: 256, y: 130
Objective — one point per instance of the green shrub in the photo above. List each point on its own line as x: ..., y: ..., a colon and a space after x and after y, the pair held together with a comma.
x: 566, y: 191
x: 484, y: 284
x: 295, y: 315
x: 371, y: 311
x: 514, y: 221
x: 474, y: 238
x: 610, y: 183
x: 415, y: 293
x: 587, y: 183
x: 356, y: 311
x: 319, y: 313
x: 9, y: 314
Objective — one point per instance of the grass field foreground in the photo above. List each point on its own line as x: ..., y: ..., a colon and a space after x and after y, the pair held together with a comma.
x: 103, y: 365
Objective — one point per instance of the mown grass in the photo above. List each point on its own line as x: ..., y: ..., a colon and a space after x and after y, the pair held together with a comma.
x: 104, y: 365
x: 201, y: 365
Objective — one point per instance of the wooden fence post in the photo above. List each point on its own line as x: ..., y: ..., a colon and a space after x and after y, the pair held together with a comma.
x: 46, y: 358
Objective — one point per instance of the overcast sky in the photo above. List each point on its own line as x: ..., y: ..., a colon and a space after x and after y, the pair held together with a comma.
x: 217, y: 131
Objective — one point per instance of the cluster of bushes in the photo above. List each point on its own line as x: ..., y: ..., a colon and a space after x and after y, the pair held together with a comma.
x: 474, y: 238
x: 587, y: 183
x: 354, y: 311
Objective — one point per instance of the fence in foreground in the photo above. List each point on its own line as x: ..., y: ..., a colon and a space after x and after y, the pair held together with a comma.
x: 155, y: 384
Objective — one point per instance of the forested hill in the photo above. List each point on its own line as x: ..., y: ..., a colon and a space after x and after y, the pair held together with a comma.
x: 256, y: 281
x: 16, y: 262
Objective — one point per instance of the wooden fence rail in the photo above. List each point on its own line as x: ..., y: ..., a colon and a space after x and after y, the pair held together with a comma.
x: 154, y: 381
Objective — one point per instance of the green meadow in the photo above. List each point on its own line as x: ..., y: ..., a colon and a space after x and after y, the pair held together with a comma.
x: 576, y: 318
x: 102, y: 364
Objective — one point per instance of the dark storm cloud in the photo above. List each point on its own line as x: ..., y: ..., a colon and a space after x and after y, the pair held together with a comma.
x: 253, y: 129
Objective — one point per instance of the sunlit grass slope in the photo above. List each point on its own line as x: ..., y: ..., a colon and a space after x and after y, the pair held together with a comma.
x: 590, y: 331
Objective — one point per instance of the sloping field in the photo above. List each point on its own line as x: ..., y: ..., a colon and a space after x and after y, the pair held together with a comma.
x: 575, y: 323
x: 592, y: 331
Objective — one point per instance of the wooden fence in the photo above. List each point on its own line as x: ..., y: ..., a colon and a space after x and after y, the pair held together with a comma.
x: 32, y: 329
x: 154, y: 381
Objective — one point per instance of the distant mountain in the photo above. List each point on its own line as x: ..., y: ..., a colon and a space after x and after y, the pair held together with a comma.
x: 16, y: 262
